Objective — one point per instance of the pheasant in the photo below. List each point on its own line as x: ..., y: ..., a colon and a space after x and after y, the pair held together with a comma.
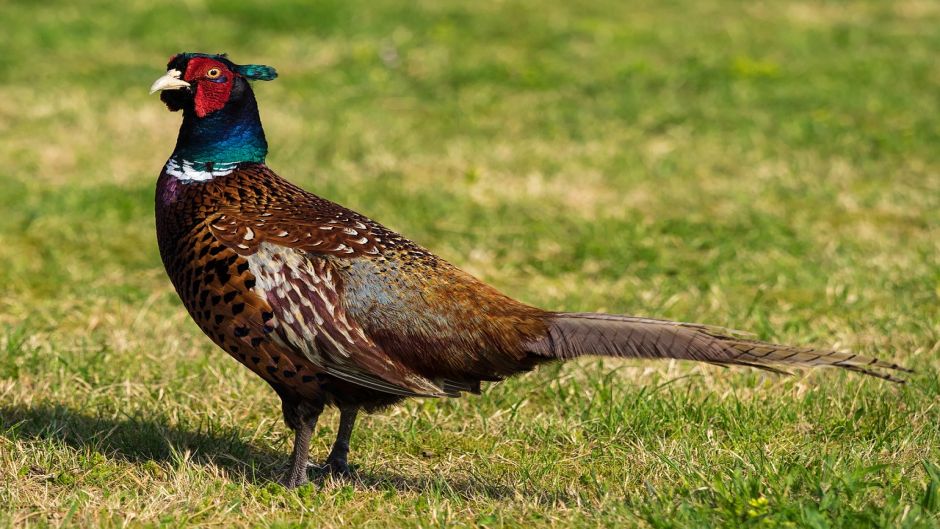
x: 331, y: 308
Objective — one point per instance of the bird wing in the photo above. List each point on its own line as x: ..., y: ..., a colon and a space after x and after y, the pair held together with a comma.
x: 292, y: 260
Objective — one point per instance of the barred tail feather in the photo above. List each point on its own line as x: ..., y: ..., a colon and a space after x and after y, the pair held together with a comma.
x: 572, y: 335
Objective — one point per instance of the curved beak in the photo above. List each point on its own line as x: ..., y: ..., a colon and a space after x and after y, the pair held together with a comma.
x: 170, y: 81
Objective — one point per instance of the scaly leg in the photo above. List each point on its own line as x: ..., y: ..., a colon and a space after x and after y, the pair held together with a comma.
x: 302, y: 418
x: 336, y: 462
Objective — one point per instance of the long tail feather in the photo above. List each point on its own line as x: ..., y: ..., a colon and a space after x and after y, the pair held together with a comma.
x: 572, y: 335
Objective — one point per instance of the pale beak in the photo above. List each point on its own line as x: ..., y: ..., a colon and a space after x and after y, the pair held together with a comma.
x: 170, y: 81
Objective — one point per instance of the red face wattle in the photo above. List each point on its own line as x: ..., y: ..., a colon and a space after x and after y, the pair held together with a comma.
x: 212, y: 84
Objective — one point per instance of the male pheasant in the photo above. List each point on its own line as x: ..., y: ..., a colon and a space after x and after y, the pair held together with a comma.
x: 332, y: 308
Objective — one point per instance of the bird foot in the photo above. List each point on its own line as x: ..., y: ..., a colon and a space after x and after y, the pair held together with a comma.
x: 292, y: 480
x: 333, y: 466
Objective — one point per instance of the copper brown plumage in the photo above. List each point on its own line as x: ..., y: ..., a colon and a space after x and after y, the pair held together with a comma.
x: 332, y: 308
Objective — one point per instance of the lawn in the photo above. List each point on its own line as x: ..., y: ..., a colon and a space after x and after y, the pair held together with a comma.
x: 766, y: 166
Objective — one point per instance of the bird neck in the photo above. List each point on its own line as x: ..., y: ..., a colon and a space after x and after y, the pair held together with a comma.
x: 226, y: 137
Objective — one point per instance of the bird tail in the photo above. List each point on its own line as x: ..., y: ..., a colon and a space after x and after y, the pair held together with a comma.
x: 571, y: 335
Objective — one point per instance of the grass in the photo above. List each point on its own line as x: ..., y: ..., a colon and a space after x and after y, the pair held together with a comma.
x: 765, y: 166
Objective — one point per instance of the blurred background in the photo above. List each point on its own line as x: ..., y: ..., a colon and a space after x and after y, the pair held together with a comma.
x: 772, y: 166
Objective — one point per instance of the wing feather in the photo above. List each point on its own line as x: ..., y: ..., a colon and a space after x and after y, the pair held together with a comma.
x: 305, y: 294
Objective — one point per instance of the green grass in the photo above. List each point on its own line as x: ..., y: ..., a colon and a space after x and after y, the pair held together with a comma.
x: 766, y: 166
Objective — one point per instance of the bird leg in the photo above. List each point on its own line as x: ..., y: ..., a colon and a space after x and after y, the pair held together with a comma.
x: 302, y: 418
x: 336, y: 462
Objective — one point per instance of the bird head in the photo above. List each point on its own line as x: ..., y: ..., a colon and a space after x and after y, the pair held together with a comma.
x: 204, y: 83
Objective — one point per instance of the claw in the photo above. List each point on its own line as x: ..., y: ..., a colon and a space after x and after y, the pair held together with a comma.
x: 335, y: 467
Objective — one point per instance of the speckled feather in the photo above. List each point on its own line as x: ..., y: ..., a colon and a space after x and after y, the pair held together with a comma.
x: 315, y: 288
x: 295, y: 286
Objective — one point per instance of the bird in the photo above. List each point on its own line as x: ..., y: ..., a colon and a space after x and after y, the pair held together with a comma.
x: 331, y: 308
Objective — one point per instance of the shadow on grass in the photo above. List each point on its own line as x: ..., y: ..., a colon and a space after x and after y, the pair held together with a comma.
x: 141, y: 439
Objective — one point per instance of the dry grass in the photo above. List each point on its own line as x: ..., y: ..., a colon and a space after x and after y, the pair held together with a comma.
x: 772, y: 168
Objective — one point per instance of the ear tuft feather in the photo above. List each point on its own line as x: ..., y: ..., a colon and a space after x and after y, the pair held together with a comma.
x: 257, y: 72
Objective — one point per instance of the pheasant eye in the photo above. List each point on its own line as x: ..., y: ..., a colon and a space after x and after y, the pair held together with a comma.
x: 214, y: 73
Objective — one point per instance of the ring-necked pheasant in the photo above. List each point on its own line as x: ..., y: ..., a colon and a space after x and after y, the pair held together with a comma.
x: 332, y: 308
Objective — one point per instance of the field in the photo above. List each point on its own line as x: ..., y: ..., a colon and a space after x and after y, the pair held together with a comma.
x: 766, y: 166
